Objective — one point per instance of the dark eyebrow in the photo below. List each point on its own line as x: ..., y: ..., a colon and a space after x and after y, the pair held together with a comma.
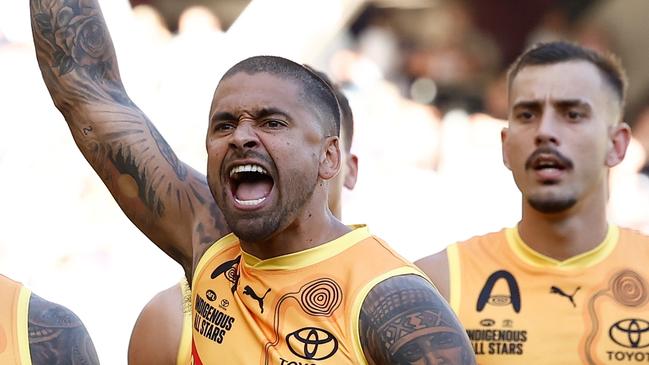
x: 267, y: 111
x: 528, y: 104
x: 222, y: 116
x: 571, y: 103
x: 261, y: 113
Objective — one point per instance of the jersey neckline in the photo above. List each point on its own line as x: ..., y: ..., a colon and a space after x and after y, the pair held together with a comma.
x: 308, y: 257
x: 584, y: 260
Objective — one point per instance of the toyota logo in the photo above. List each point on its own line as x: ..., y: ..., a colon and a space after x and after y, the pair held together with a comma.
x: 312, y: 343
x: 630, y: 333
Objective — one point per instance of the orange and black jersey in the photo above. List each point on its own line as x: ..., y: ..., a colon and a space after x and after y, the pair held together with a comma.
x: 521, y: 307
x: 298, y: 308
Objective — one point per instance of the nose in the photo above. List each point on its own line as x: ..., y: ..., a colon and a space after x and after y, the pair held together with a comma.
x: 547, y: 131
x: 244, y: 136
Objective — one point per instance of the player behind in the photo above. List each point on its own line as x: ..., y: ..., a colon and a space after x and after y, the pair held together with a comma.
x: 565, y: 286
x: 35, y: 331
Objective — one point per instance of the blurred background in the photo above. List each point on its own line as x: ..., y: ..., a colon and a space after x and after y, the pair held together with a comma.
x: 426, y: 81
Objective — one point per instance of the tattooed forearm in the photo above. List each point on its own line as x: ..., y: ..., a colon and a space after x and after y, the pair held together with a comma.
x: 163, y: 197
x: 404, y: 321
x: 57, y: 336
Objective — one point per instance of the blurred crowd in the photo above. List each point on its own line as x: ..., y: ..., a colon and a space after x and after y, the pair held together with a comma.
x: 429, y: 104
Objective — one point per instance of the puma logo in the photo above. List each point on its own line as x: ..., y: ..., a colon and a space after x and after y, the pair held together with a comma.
x: 251, y: 293
x: 558, y: 291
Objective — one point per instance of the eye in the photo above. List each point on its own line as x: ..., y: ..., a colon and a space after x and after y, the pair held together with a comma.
x: 574, y: 115
x: 223, y: 127
x: 525, y: 116
x: 273, y: 123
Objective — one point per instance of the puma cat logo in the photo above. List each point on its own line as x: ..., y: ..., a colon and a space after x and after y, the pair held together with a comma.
x: 558, y: 291
x: 251, y: 293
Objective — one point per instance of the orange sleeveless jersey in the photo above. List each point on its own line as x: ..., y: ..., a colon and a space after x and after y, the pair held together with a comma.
x: 14, y: 339
x: 301, y: 308
x: 521, y: 307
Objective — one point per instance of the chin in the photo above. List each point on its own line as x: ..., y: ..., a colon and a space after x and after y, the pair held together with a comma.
x: 551, y: 205
x: 253, y: 230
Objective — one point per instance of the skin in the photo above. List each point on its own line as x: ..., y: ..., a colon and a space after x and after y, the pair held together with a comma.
x: 175, y: 206
x: 565, y: 109
x: 57, y: 336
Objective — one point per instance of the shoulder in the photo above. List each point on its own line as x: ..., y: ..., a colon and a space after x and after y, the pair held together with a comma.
x: 404, y: 320
x: 157, y: 331
x: 436, y: 268
x: 57, y: 335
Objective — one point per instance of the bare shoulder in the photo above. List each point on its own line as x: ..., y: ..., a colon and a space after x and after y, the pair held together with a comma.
x: 157, y: 331
x: 436, y: 268
x: 57, y: 335
x: 404, y: 320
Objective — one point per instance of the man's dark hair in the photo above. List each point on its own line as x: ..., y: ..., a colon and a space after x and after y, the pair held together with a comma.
x: 315, y: 90
x: 346, y: 115
x: 541, y: 54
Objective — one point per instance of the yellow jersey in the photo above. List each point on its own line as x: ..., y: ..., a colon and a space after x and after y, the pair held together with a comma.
x: 301, y: 308
x: 14, y: 308
x: 521, y: 307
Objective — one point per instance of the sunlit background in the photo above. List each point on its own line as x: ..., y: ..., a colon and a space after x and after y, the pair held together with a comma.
x: 426, y: 82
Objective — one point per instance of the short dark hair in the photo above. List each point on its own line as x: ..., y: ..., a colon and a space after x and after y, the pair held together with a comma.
x: 316, y: 91
x: 346, y: 114
x: 541, y: 54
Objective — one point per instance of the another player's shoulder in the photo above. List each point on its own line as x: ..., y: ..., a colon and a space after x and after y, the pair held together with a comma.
x: 57, y: 335
x: 436, y: 267
x: 633, y: 236
x: 488, y: 239
x: 158, y: 328
x: 424, y: 321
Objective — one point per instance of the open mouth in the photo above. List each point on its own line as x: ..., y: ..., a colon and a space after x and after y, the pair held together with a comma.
x: 250, y: 184
x: 547, y: 162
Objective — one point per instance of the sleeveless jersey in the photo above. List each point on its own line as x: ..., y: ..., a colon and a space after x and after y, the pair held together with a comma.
x: 300, y: 308
x: 521, y: 307
x: 185, y: 346
x: 14, y: 339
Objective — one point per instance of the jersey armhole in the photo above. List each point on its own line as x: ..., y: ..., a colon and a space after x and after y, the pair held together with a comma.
x: 454, y: 277
x: 22, y: 318
x: 358, y: 303
x: 184, y: 346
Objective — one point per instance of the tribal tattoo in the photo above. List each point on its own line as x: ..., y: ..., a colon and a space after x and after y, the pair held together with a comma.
x: 404, y: 321
x: 170, y: 202
x: 57, y: 336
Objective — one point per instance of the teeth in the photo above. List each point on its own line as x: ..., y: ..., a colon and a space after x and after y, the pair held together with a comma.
x: 250, y: 202
x: 248, y: 168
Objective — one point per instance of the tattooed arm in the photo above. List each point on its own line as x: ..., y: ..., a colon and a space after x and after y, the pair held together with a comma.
x: 57, y: 336
x: 403, y: 320
x: 163, y: 197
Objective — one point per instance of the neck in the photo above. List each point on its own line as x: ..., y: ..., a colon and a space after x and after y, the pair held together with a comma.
x: 310, y: 229
x: 566, y: 234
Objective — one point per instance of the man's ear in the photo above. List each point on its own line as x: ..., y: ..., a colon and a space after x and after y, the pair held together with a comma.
x: 504, y: 134
x: 352, y: 171
x: 619, y: 137
x: 330, y: 158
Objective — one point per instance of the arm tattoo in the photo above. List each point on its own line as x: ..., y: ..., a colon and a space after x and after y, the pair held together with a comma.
x: 403, y: 321
x: 57, y: 336
x: 163, y: 197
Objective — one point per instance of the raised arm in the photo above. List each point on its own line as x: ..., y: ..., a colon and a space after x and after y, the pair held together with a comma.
x: 404, y: 320
x: 167, y: 200
x: 57, y: 336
